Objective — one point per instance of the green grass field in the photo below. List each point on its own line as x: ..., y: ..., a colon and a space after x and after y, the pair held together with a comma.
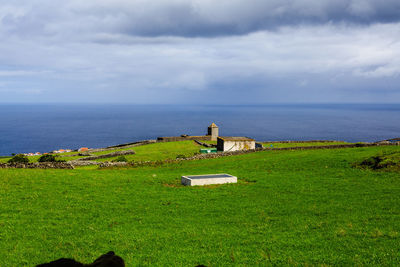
x: 299, y: 144
x: 306, y: 207
x: 150, y: 152
x: 167, y: 150
x: 161, y: 151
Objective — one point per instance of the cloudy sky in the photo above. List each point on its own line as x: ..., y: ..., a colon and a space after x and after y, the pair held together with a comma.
x: 200, y: 51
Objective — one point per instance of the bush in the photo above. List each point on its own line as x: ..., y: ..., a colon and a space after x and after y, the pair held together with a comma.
x: 47, y: 158
x: 181, y: 156
x: 382, y: 161
x: 120, y: 159
x: 20, y: 158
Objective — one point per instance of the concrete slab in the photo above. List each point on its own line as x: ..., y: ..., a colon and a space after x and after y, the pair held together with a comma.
x: 206, y: 179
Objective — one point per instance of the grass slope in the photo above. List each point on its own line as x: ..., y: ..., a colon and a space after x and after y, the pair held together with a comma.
x: 289, y: 207
x: 299, y: 144
x: 150, y: 152
x: 167, y: 150
x: 161, y: 151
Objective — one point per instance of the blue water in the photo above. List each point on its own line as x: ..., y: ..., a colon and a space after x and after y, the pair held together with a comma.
x: 42, y: 128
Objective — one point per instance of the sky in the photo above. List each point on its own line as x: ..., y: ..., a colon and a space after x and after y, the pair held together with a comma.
x: 200, y: 51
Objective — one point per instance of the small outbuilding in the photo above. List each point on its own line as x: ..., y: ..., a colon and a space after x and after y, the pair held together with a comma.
x: 235, y: 143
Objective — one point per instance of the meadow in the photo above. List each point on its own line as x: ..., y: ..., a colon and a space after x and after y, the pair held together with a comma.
x: 301, y: 144
x: 300, y: 207
x: 168, y: 150
x: 148, y: 152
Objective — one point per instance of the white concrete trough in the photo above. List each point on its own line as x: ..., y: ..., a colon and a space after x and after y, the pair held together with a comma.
x: 205, y: 179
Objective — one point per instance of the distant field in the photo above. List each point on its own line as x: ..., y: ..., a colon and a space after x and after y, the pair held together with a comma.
x: 150, y: 152
x: 294, y: 144
x: 303, y: 207
x: 162, y: 151
x: 4, y: 159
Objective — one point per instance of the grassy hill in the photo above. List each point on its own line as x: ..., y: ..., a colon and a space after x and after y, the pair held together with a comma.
x: 167, y: 150
x: 301, y: 144
x: 149, y: 152
x: 310, y: 207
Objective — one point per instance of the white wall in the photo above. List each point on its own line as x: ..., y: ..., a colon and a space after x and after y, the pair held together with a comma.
x: 239, y: 145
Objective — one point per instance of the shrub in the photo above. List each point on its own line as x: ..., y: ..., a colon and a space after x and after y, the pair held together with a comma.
x: 382, y: 161
x: 359, y: 144
x: 120, y: 159
x: 19, y: 158
x: 372, y: 162
x: 50, y: 158
x: 85, y: 154
x: 180, y: 156
x: 47, y: 158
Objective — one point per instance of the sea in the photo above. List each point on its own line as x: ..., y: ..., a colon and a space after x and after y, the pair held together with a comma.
x: 41, y: 128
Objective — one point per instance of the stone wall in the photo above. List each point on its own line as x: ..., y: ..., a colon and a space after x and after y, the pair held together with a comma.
x: 82, y: 154
x: 306, y: 141
x: 81, y: 163
x: 127, y: 145
x: 331, y: 146
x: 112, y: 164
x: 37, y: 165
x: 109, y: 155
x: 204, y: 144
x: 183, y: 138
x: 101, y: 164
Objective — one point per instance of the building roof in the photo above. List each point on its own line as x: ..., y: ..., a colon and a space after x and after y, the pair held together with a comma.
x: 235, y: 138
x: 213, y: 125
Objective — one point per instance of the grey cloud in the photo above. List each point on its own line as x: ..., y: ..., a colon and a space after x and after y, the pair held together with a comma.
x: 142, y: 52
x: 191, y: 18
x: 236, y: 17
x: 326, y: 63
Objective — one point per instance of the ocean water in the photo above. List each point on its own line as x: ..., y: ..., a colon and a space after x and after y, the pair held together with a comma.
x: 42, y: 128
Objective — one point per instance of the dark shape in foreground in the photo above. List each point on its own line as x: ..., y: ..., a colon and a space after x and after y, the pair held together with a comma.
x: 384, y: 161
x: 105, y: 260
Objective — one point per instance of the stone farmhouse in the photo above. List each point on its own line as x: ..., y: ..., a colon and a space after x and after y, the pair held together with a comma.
x: 228, y: 143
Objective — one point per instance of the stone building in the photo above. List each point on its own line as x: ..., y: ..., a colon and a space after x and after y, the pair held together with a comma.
x: 213, y: 131
x: 235, y: 143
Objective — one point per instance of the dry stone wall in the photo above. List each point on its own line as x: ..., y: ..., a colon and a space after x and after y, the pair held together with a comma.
x: 306, y: 141
x: 128, y: 145
x: 112, y: 164
x: 76, y: 163
x: 109, y: 155
x: 204, y: 144
x: 183, y: 138
x: 37, y: 165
